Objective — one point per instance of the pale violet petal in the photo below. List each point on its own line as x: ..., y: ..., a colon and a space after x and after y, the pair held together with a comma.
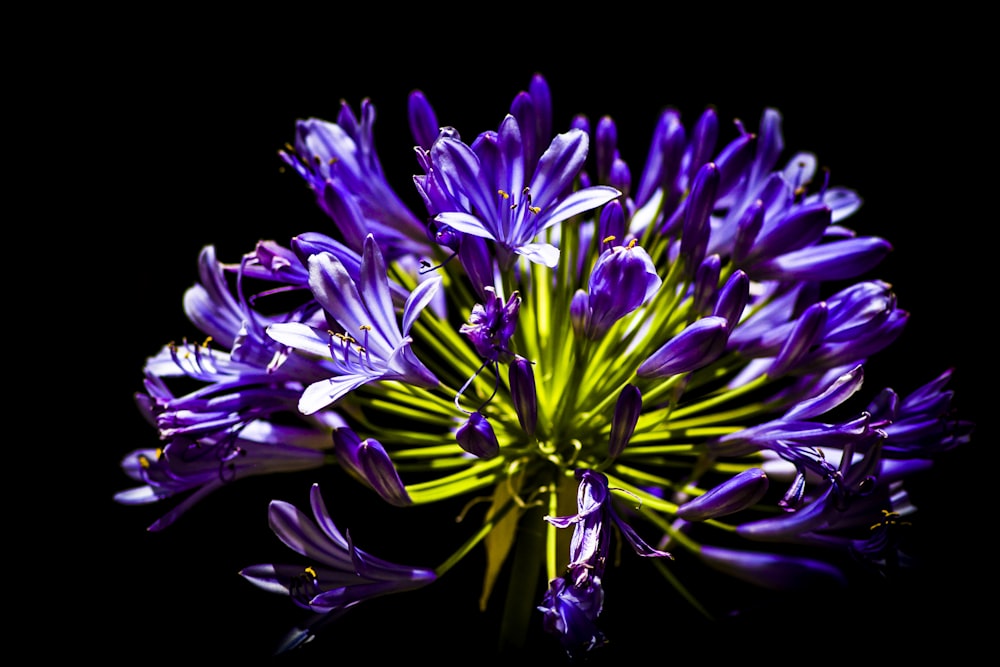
x: 301, y: 337
x: 540, y: 253
x: 320, y: 394
x: 465, y: 223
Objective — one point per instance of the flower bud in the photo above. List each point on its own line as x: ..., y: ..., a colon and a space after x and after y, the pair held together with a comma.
x: 622, y: 280
x: 733, y: 298
x: 522, y: 392
x: 623, y: 422
x: 476, y: 436
x: 737, y: 493
x: 700, y: 343
x: 807, y: 331
x: 706, y: 284
x: 612, y: 221
x: 698, y: 210
x: 368, y: 460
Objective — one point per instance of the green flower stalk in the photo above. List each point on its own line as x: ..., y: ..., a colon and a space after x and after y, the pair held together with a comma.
x: 674, y: 364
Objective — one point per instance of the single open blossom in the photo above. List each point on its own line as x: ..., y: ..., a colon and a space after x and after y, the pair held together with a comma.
x: 676, y: 349
x: 370, y: 345
x: 336, y: 575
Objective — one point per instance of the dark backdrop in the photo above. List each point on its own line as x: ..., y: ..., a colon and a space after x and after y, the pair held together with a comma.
x: 190, y: 128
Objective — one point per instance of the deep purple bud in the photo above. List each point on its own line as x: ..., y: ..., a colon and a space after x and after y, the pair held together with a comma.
x: 807, y: 331
x: 699, y: 344
x: 523, y: 109
x: 736, y: 493
x: 522, y: 391
x: 733, y: 161
x: 423, y: 122
x: 623, y: 421
x: 612, y: 222
x: 703, y: 138
x: 706, y: 283
x: 368, y: 461
x: 698, y: 209
x: 476, y: 436
x: 800, y: 227
x: 663, y: 164
x: 773, y: 571
x: 747, y: 229
x: 622, y: 280
x: 605, y: 147
x: 620, y: 177
x: 733, y: 298
x: 541, y: 98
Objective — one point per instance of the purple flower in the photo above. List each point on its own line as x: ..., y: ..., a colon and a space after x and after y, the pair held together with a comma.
x: 476, y: 436
x: 199, y: 467
x: 337, y: 574
x: 498, y: 200
x: 371, y: 345
x: 623, y: 278
x: 570, y: 612
x: 492, y: 324
x: 339, y: 163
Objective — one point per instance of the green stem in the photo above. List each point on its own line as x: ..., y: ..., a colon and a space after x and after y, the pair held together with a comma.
x: 522, y: 594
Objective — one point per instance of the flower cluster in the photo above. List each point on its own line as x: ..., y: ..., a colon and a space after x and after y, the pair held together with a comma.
x: 673, y: 361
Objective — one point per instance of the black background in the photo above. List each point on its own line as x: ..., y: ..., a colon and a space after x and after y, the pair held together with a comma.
x: 186, y: 125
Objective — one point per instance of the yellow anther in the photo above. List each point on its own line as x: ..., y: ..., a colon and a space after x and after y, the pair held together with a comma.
x: 144, y: 462
x: 366, y: 327
x: 534, y: 209
x: 206, y: 341
x: 631, y: 244
x: 608, y: 239
x: 503, y: 194
x: 289, y: 147
x: 310, y: 571
x: 889, y: 518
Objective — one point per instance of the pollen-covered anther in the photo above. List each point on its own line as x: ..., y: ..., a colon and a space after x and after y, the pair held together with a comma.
x: 889, y: 518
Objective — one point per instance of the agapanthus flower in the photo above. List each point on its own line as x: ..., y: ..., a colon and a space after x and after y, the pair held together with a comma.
x: 667, y: 358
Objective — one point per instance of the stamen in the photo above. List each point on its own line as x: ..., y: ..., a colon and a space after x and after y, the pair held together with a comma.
x: 364, y: 348
x: 608, y: 239
x: 631, y: 244
x: 503, y: 194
